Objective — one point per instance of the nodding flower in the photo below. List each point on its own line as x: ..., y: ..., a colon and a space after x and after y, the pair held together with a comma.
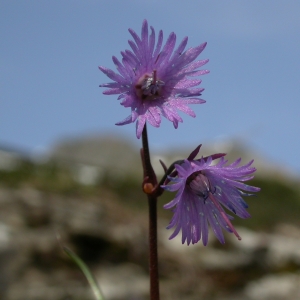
x: 204, y: 191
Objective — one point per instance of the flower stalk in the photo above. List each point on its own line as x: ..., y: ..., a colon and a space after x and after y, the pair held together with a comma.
x: 149, y: 186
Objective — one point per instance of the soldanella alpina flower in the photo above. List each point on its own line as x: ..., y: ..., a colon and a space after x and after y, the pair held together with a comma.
x: 156, y: 80
x: 204, y: 191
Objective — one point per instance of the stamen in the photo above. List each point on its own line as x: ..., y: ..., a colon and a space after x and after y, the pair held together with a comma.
x: 200, y: 184
x: 219, y: 207
x: 154, y: 77
x: 149, y: 86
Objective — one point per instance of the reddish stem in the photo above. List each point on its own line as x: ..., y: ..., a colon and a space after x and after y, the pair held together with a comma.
x: 150, y: 178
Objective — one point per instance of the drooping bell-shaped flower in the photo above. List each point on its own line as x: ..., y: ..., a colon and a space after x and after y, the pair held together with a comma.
x: 204, y: 191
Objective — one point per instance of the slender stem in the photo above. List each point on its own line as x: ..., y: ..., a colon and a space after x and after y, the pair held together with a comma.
x: 152, y: 204
x: 153, y: 256
x: 148, y: 170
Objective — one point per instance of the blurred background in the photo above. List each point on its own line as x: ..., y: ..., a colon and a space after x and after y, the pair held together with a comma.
x: 70, y: 177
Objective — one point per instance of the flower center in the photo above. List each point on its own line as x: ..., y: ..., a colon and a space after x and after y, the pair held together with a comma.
x: 148, y: 86
x: 200, y: 185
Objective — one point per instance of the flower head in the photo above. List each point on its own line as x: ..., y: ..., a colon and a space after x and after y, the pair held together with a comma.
x: 204, y: 190
x: 155, y: 80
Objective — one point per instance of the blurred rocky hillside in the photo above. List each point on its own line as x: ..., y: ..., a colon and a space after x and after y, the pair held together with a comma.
x: 86, y: 195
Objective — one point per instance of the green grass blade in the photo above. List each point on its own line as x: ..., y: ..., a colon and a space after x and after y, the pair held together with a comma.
x: 87, y: 273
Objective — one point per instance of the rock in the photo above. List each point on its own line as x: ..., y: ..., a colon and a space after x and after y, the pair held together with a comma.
x: 275, y: 287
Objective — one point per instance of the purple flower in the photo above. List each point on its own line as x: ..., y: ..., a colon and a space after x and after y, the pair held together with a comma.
x: 155, y: 80
x: 204, y: 189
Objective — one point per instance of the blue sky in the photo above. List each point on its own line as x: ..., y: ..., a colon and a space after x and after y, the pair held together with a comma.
x: 51, y: 50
